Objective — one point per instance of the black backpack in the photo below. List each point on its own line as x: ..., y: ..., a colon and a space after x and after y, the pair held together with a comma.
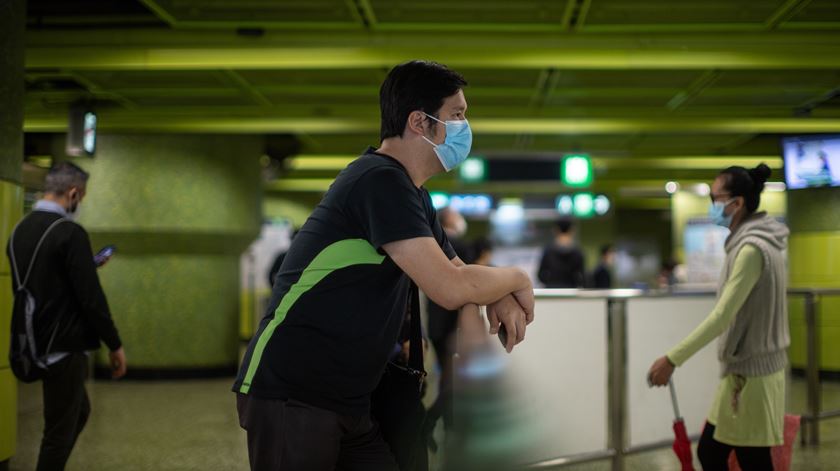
x: 26, y: 365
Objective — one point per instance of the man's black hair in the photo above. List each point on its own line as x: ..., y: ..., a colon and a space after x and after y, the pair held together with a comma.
x: 414, y: 86
x: 564, y: 225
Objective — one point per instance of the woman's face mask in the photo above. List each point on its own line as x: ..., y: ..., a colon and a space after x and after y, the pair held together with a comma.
x: 717, y: 212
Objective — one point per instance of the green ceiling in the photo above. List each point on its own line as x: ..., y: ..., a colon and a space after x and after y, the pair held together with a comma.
x: 630, y: 82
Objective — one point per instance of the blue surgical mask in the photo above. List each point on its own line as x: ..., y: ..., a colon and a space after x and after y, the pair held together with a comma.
x: 718, y: 215
x: 456, y: 146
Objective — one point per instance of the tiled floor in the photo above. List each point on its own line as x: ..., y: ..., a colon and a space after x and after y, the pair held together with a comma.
x: 172, y: 425
x: 186, y: 425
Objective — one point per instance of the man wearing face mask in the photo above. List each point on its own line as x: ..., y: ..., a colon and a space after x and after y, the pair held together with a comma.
x: 60, y: 311
x: 750, y: 317
x: 305, y: 384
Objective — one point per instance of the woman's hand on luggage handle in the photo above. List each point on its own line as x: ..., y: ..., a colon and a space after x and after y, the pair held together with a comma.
x: 660, y: 372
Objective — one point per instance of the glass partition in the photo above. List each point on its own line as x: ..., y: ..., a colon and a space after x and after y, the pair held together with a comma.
x: 558, y: 379
x: 548, y: 402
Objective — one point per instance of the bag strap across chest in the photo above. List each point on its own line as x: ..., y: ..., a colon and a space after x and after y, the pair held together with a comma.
x: 21, y: 282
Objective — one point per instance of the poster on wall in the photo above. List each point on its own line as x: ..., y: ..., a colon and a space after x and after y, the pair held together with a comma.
x: 637, y: 263
x: 704, y: 251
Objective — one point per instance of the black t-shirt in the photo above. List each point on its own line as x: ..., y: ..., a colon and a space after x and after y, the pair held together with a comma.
x: 339, y: 301
x: 561, y: 267
x: 601, y: 277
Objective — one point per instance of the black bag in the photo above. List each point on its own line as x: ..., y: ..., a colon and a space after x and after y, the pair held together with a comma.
x: 26, y: 365
x: 396, y: 403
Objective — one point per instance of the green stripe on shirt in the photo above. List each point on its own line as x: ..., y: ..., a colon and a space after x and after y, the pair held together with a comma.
x: 341, y: 254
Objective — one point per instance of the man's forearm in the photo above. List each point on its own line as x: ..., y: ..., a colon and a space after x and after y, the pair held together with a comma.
x: 486, y: 285
x: 452, y: 286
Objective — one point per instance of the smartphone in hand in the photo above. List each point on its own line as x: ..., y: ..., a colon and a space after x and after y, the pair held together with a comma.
x: 104, y: 255
x: 503, y: 335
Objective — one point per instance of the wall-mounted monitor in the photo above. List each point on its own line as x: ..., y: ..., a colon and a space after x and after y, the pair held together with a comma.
x: 811, y: 161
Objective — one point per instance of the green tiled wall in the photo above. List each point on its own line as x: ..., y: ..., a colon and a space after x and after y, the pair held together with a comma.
x: 11, y: 205
x: 180, y: 210
x: 175, y: 311
x: 814, y: 217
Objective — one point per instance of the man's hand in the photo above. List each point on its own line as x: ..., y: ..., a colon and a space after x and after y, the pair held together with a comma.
x: 525, y: 298
x: 102, y: 261
x: 660, y: 372
x: 118, y: 365
x: 508, y: 312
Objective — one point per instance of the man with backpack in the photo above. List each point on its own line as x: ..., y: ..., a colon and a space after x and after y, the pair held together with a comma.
x: 60, y: 311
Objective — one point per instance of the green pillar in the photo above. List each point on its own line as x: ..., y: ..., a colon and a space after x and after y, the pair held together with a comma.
x: 180, y: 209
x: 12, y: 24
x: 814, y: 260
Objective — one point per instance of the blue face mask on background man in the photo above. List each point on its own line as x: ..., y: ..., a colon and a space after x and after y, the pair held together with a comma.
x: 456, y: 146
x: 718, y: 215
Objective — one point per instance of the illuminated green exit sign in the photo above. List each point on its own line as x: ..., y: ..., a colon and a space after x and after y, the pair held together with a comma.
x: 576, y: 171
x: 473, y: 170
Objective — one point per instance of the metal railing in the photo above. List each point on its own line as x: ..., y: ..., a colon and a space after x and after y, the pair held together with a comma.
x: 810, y: 433
x: 617, y: 416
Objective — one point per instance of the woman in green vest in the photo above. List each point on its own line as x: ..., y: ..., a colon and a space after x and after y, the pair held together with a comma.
x: 750, y: 317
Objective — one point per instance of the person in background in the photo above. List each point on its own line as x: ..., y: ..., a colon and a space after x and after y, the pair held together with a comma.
x: 482, y: 250
x: 750, y: 317
x: 455, y: 226
x: 602, y: 276
x: 443, y: 322
x: 278, y: 261
x: 667, y: 277
x: 52, y: 261
x: 562, y: 261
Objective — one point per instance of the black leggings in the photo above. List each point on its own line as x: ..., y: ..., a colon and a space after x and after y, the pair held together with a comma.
x: 714, y: 455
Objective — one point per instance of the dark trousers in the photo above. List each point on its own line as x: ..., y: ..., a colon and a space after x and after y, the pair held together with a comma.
x: 289, y: 435
x: 66, y: 410
x: 714, y: 455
